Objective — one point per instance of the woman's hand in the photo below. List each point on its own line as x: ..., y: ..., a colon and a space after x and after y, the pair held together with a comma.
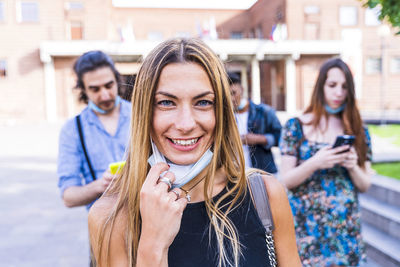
x: 351, y: 159
x: 160, y: 209
x: 328, y: 157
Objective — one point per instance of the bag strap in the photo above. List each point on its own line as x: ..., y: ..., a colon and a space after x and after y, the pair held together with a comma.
x: 79, y: 125
x: 260, y: 199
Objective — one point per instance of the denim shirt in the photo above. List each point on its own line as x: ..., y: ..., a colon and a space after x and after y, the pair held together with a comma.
x: 102, y: 148
x: 263, y: 120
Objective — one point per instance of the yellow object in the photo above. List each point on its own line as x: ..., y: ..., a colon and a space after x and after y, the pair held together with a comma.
x: 116, y: 167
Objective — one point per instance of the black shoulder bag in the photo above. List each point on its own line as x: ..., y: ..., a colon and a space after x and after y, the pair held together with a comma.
x: 260, y: 200
x: 79, y: 125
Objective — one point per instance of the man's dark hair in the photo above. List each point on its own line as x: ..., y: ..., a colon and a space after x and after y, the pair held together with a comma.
x: 233, y: 78
x: 91, y: 61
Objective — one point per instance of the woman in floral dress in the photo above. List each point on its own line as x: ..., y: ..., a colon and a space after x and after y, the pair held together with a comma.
x: 324, y: 182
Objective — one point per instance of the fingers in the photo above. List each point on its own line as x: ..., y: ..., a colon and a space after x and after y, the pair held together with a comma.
x: 163, y: 180
x: 176, y: 192
x: 340, y: 149
x: 324, y: 148
x: 154, y: 173
x: 181, y: 203
x: 107, y: 175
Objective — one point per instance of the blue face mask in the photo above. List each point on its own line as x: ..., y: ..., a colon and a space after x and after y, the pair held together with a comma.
x: 94, y: 107
x: 183, y: 173
x: 243, y: 104
x: 334, y: 111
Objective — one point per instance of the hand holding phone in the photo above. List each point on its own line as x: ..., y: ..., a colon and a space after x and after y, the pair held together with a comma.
x: 342, y: 140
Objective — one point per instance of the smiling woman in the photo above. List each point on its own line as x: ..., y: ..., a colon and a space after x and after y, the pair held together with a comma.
x: 182, y: 113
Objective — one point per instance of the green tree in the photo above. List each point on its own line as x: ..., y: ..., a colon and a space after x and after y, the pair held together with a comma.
x: 389, y: 10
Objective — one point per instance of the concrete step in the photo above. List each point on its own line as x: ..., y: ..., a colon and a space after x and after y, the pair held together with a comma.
x: 370, y: 263
x: 381, y: 247
x: 385, y: 189
x: 380, y: 215
x: 393, y: 156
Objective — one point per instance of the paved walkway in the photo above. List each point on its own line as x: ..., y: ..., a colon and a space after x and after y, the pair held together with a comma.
x: 35, y: 227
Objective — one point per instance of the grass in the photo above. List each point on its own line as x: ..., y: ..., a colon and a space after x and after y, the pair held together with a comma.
x: 388, y: 169
x: 391, y: 131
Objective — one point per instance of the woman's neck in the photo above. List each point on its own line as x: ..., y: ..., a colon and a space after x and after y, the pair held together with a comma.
x: 326, y: 131
x: 195, y: 187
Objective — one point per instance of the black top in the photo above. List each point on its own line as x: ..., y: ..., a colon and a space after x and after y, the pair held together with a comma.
x: 191, y: 246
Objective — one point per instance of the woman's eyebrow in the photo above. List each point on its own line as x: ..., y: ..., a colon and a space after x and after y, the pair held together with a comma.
x: 203, y: 94
x: 175, y: 97
x: 166, y: 94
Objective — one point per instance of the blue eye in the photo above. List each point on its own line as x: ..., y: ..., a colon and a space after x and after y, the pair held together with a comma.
x: 165, y: 103
x: 205, y: 103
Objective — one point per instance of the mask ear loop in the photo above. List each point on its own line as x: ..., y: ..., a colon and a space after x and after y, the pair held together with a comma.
x: 158, y: 157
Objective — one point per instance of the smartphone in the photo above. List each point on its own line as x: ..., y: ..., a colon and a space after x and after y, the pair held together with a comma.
x: 342, y: 140
x: 116, y: 167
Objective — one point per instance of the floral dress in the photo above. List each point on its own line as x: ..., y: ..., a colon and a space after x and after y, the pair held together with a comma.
x: 325, y: 207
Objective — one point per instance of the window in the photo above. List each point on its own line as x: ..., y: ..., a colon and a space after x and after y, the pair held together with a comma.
x: 76, y: 30
x: 27, y: 11
x: 373, y: 65
x: 395, y: 65
x: 3, y: 68
x: 258, y: 32
x: 251, y: 33
x: 236, y: 35
x: 372, y: 16
x: 348, y: 16
x: 74, y: 5
x: 311, y: 10
x: 2, y: 8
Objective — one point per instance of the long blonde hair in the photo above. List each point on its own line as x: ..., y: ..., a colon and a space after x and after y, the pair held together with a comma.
x: 227, y: 149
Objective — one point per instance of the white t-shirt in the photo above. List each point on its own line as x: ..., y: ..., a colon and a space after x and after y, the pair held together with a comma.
x: 241, y: 120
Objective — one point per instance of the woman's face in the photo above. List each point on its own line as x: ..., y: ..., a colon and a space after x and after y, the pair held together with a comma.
x: 183, y: 113
x: 335, y: 88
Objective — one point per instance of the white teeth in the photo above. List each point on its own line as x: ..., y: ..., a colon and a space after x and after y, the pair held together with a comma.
x: 185, y: 142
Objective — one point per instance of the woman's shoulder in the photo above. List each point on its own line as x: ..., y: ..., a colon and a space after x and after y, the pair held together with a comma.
x: 300, y: 120
x: 366, y: 130
x: 274, y: 188
x: 306, y: 118
x: 101, y: 210
x: 107, y: 238
x: 102, y: 207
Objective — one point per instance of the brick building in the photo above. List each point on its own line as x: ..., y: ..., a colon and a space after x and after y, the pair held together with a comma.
x: 40, y: 39
x: 371, y: 49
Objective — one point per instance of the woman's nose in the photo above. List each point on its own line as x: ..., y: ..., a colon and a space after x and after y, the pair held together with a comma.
x: 339, y: 91
x: 185, y: 121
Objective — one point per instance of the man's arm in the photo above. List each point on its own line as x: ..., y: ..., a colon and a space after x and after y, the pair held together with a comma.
x: 270, y: 136
x: 69, y: 170
x: 273, y: 128
x: 75, y: 196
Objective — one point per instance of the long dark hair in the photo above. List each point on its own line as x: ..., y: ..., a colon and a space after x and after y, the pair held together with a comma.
x: 350, y: 116
x: 91, y: 61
